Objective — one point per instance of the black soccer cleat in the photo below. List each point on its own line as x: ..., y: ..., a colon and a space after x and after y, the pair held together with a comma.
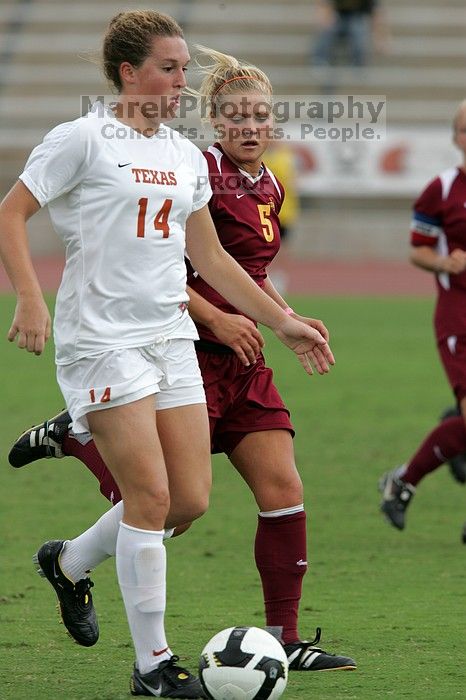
x: 457, y: 464
x: 304, y: 656
x: 397, y: 495
x: 74, y: 599
x: 463, y: 534
x: 41, y: 441
x: 166, y: 681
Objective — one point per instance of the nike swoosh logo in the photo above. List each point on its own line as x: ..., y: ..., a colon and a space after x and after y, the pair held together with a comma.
x: 238, y: 196
x: 301, y: 563
x: 123, y: 165
x: 55, y: 571
x: 158, y: 653
x: 153, y: 689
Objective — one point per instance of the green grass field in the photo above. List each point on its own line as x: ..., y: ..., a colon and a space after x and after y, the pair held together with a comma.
x: 395, y: 601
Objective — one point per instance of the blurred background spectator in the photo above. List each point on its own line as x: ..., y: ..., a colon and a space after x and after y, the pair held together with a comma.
x: 348, y: 32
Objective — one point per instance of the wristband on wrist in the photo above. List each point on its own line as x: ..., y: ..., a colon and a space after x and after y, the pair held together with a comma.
x: 288, y: 310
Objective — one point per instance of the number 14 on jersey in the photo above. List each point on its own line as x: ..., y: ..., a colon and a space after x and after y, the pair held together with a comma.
x: 160, y: 219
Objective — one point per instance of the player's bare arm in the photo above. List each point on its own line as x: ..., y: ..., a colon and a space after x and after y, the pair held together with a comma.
x: 31, y: 324
x: 238, y: 332
x: 429, y: 259
x: 225, y: 275
x: 312, y: 322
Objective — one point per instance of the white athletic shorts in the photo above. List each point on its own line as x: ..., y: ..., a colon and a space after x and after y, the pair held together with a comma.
x: 168, y: 369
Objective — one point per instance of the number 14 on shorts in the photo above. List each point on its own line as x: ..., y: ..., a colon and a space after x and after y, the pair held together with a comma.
x: 104, y: 398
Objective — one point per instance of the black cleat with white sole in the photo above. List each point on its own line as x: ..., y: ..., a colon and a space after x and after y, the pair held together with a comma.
x: 305, y: 656
x: 41, y: 441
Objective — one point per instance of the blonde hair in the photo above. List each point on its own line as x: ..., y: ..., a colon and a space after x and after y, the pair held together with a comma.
x: 129, y: 37
x: 225, y: 75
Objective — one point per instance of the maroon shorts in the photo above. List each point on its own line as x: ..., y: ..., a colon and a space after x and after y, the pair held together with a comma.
x: 240, y: 400
x: 453, y: 355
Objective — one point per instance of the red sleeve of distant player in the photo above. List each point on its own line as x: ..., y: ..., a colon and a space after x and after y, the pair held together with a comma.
x: 426, y: 224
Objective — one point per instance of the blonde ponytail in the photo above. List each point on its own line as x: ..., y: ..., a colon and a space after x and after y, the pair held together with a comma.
x: 225, y: 75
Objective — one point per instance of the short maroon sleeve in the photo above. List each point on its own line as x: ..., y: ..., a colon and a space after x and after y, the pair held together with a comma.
x: 426, y: 224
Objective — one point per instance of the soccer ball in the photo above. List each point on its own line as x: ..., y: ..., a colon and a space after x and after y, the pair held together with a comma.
x: 243, y: 663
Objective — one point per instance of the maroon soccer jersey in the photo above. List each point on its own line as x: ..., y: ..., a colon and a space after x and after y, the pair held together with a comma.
x: 440, y: 221
x: 245, y: 213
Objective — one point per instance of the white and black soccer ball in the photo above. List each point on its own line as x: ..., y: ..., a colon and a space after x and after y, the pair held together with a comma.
x: 243, y: 663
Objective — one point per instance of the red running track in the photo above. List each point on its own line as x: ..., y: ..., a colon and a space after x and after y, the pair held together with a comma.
x: 374, y: 278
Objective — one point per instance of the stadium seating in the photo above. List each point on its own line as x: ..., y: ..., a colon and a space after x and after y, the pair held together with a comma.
x: 48, y: 58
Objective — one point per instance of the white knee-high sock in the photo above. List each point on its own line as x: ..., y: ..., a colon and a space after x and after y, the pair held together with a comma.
x: 85, y: 552
x: 141, y: 569
x: 95, y: 545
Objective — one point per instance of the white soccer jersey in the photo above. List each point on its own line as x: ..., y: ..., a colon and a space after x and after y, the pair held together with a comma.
x: 119, y: 201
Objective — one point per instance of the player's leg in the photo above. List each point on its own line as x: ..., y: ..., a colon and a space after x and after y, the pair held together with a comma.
x: 65, y: 566
x: 187, y: 481
x: 54, y: 439
x: 184, y: 435
x: 135, y: 459
x: 184, y: 429
x: 85, y: 451
x: 399, y: 486
x: 265, y: 460
x: 256, y: 433
x: 76, y: 558
x: 61, y: 442
x: 181, y: 390
x: 446, y: 440
x: 457, y: 464
x: 146, y: 507
x: 137, y: 462
x: 234, y: 398
x: 138, y: 465
x: 140, y: 553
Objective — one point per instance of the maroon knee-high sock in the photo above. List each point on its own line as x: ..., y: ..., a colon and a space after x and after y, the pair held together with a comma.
x: 89, y: 455
x: 280, y: 552
x: 447, y: 440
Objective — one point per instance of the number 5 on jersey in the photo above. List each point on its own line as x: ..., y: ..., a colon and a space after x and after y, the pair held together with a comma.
x: 266, y: 224
x: 160, y: 220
